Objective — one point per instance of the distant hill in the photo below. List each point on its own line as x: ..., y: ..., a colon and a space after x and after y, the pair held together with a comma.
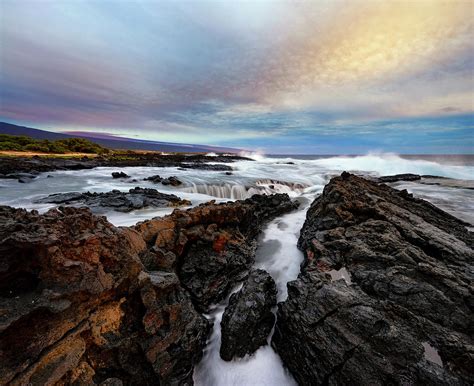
x: 113, y: 142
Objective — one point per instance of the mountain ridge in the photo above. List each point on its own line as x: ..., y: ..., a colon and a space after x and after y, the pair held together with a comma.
x: 114, y: 142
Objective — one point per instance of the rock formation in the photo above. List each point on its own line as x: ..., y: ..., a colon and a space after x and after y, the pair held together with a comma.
x: 120, y: 175
x: 399, y: 177
x: 84, y: 302
x: 172, y: 180
x: 212, y: 246
x: 411, y: 267
x: 36, y: 165
x: 77, y: 307
x: 136, y: 198
x: 248, y: 319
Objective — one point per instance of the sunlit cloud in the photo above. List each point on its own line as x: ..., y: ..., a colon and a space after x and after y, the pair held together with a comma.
x: 237, y: 72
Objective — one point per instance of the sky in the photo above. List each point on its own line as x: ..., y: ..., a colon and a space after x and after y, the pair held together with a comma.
x: 288, y: 77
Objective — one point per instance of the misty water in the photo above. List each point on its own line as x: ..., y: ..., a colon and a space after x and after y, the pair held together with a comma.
x: 303, y: 178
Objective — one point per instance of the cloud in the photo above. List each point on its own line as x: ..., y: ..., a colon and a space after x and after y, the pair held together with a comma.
x: 217, y: 72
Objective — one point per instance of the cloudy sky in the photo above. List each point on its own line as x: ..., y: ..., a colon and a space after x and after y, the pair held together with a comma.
x: 280, y: 76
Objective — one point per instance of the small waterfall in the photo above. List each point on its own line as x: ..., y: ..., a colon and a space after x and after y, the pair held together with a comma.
x: 237, y: 191
x: 232, y: 191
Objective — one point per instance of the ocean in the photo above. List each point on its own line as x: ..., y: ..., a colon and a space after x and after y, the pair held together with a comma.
x: 302, y: 177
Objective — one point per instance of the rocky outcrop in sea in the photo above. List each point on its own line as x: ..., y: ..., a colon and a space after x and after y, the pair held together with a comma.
x: 135, y: 198
x: 248, y: 319
x: 385, y: 292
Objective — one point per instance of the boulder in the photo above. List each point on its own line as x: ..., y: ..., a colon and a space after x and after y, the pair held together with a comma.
x: 248, y: 319
x: 120, y: 175
x: 155, y: 179
x: 136, y: 198
x: 173, y: 181
x: 406, y: 314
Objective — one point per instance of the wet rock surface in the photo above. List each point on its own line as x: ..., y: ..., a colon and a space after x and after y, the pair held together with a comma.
x: 172, y: 180
x: 84, y: 302
x: 399, y: 177
x: 120, y: 175
x: 411, y: 267
x: 77, y: 306
x: 205, y: 166
x: 136, y: 198
x: 211, y: 246
x: 248, y: 319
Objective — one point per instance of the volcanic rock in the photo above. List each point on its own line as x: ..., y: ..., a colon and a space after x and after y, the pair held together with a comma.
x: 173, y: 181
x: 155, y: 179
x: 211, y: 246
x: 411, y: 267
x: 120, y: 175
x: 206, y: 166
x: 76, y: 306
x: 136, y: 198
x: 399, y: 177
x: 248, y: 319
x: 47, y: 164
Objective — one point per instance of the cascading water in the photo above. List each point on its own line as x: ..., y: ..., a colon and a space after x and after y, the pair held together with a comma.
x: 236, y: 191
x: 279, y: 256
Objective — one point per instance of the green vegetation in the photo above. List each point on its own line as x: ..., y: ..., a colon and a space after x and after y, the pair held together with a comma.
x: 62, y: 146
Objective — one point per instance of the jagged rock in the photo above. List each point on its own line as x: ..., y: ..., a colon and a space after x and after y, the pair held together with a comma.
x: 155, y: 179
x: 136, y: 198
x: 248, y: 319
x: 411, y: 267
x: 211, y: 246
x: 205, y: 166
x: 399, y: 177
x: 76, y: 306
x: 120, y: 175
x: 173, y: 181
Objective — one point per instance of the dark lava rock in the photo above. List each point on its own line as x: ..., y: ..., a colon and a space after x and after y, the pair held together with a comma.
x: 248, y: 319
x: 77, y: 307
x: 173, y: 181
x: 84, y: 302
x: 136, y: 198
x: 205, y: 166
x: 228, y: 173
x: 211, y: 246
x: 120, y: 175
x: 411, y: 267
x: 155, y: 179
x: 399, y: 177
x: 47, y: 164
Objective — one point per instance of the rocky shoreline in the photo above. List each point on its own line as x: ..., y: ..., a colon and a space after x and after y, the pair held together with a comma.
x: 84, y: 302
x: 384, y: 295
x: 30, y: 167
x: 410, y: 289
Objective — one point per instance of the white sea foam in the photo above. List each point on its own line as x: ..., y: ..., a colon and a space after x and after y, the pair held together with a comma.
x: 387, y: 164
x: 279, y: 256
